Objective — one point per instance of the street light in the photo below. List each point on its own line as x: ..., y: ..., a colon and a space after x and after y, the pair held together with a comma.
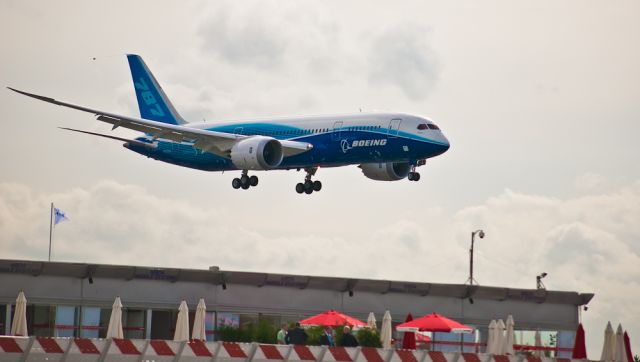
x: 539, y: 284
x: 473, y: 235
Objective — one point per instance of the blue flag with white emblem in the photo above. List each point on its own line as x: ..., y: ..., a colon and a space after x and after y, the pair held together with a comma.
x: 59, y: 216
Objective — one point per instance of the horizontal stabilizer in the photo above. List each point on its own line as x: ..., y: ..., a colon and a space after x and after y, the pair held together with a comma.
x: 133, y: 142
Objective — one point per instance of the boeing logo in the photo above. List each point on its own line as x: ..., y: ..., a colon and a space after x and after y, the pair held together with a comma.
x: 344, y: 144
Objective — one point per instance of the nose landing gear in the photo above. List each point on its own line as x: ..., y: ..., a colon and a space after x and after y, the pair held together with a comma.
x: 413, y: 175
x: 309, y: 186
x: 245, y: 181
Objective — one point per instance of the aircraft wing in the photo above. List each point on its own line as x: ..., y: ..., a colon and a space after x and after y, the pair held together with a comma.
x: 219, y: 143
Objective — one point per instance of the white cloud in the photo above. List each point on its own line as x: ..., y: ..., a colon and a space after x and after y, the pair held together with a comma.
x: 403, y: 57
x: 589, y: 182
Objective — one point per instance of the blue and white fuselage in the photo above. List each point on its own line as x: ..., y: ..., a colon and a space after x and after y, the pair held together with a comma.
x: 386, y: 146
x: 337, y: 140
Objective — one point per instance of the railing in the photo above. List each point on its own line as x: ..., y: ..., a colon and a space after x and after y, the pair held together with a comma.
x: 26, y: 349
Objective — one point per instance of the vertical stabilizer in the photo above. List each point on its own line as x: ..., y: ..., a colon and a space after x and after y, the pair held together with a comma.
x: 152, y: 101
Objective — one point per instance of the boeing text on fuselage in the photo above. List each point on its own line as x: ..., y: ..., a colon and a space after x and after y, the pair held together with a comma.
x: 386, y: 146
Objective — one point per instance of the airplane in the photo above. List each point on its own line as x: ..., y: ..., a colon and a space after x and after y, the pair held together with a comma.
x: 386, y: 146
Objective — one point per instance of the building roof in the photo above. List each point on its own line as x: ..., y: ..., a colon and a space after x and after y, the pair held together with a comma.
x: 215, y: 276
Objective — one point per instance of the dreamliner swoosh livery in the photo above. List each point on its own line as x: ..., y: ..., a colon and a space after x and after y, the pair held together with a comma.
x: 386, y: 146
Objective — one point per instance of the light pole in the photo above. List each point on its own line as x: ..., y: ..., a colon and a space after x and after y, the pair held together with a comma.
x: 480, y: 233
x: 539, y: 284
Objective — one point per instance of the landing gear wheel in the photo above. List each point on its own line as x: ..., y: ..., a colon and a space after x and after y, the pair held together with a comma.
x: 253, y: 180
x: 245, y: 186
x: 236, y: 183
x: 244, y: 179
x: 410, y: 176
x: 416, y: 176
x: 308, y: 187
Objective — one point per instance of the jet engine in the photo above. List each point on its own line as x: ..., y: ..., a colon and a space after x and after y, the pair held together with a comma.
x: 388, y: 171
x: 257, y: 153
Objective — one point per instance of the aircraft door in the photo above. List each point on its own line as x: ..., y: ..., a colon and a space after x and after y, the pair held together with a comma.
x: 337, y: 131
x: 394, y: 126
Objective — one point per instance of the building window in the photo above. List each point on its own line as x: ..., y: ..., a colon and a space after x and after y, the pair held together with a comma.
x: 3, y: 318
x: 40, y: 320
x: 133, y: 321
x: 95, y: 322
x: 66, y: 321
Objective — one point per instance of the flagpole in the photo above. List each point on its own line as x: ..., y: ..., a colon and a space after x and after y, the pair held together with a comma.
x: 50, y: 229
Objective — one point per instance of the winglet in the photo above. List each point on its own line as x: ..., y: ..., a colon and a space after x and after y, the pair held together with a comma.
x: 42, y: 98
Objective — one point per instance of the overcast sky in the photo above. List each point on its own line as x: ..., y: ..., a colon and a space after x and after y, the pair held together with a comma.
x: 540, y: 100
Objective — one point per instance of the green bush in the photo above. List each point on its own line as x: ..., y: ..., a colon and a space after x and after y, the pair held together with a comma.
x: 314, y: 334
x: 231, y: 334
x: 264, y: 333
x: 368, y: 337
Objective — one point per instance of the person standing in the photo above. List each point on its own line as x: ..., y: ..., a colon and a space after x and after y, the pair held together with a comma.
x: 297, y: 335
x: 326, y: 339
x: 282, y: 336
x: 348, y: 339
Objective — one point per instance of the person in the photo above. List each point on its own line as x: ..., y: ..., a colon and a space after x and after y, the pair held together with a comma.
x: 326, y: 339
x: 282, y: 334
x: 348, y: 339
x: 297, y: 335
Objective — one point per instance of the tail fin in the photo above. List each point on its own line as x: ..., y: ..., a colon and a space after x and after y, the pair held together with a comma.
x: 152, y: 101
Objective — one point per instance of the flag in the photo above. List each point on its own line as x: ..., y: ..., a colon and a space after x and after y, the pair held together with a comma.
x: 59, y: 216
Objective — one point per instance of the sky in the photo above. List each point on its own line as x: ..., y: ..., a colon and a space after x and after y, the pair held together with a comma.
x: 540, y: 101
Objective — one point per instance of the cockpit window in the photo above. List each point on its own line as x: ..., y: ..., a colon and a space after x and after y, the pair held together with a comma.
x: 422, y: 126
x: 433, y: 126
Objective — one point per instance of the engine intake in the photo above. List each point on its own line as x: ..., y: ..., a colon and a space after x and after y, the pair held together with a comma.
x: 257, y: 153
x: 388, y: 171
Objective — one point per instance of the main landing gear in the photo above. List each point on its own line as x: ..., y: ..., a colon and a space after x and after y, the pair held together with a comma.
x: 245, y: 181
x: 413, y: 175
x: 309, y: 186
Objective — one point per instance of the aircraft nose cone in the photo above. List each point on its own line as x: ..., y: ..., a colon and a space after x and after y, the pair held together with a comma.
x: 444, y: 144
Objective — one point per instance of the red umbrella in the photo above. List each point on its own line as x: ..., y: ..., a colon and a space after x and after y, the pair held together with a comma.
x: 579, y: 348
x: 409, y: 339
x: 627, y: 347
x: 332, y: 318
x: 434, y: 323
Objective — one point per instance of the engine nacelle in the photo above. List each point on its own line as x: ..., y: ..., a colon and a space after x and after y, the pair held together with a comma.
x: 257, y: 153
x: 388, y: 171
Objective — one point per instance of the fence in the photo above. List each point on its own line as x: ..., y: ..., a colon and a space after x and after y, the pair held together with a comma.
x: 32, y: 349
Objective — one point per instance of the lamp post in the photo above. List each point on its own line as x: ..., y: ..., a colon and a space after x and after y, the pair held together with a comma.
x: 539, y: 284
x: 480, y: 233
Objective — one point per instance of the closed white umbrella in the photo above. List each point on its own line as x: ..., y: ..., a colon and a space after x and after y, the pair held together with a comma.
x: 609, y: 344
x: 500, y: 339
x: 199, y: 321
x: 538, y: 343
x: 371, y: 321
x: 491, y: 337
x: 510, y: 337
x: 620, y: 353
x: 115, y: 321
x: 385, y: 331
x: 182, y: 325
x: 19, y: 322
